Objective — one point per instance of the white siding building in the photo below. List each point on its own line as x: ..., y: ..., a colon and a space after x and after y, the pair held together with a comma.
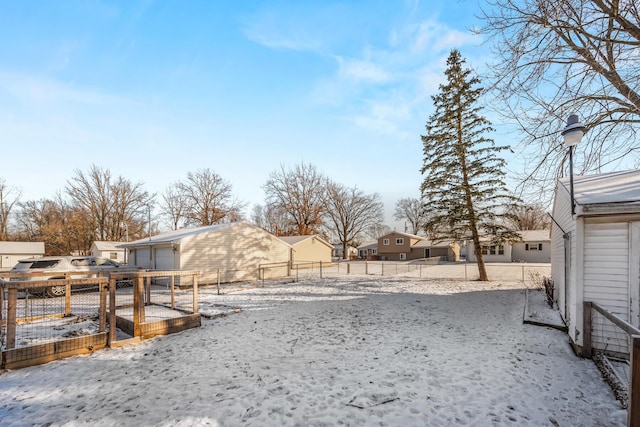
x: 110, y: 250
x: 237, y: 251
x: 595, y: 253
x: 12, y: 252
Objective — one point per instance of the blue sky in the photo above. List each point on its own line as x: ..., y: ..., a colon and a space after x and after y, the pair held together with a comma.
x: 153, y: 90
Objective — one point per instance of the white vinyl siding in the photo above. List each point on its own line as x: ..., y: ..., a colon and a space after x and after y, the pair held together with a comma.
x: 563, y: 223
x: 164, y: 259
x: 238, y: 251
x: 606, y: 278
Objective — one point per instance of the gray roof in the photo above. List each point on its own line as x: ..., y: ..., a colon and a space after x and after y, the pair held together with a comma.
x: 22, y: 248
x: 369, y: 245
x: 614, y: 187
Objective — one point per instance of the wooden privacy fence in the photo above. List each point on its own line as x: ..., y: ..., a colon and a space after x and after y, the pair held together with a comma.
x: 140, y: 304
x: 629, y: 343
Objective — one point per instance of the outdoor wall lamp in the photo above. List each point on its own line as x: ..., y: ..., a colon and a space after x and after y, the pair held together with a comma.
x: 572, y: 133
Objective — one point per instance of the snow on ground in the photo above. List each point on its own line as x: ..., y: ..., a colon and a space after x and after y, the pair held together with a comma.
x: 352, y: 351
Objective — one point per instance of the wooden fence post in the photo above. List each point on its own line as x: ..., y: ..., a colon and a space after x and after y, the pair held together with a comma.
x: 138, y: 305
x: 102, y: 311
x: 321, y: 269
x: 586, y: 333
x: 348, y: 268
x: 366, y: 267
x: 12, y: 313
x: 218, y: 274
x: 112, y: 311
x: 173, y: 291
x: 633, y: 407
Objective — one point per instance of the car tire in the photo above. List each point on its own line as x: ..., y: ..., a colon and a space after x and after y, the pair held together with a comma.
x: 56, y: 291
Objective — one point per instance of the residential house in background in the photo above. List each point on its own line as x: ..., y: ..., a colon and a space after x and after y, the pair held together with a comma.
x: 595, y: 253
x: 397, y: 246
x: 535, y: 246
x: 12, y: 252
x: 338, y: 251
x: 110, y: 250
x: 368, y: 250
x: 308, y: 249
x: 235, y: 251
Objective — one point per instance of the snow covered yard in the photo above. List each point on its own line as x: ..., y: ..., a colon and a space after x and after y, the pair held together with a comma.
x: 349, y: 351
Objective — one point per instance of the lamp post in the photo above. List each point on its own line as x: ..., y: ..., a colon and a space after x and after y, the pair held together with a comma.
x: 572, y: 133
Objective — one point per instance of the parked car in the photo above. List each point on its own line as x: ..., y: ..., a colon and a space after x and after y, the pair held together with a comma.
x: 56, y: 267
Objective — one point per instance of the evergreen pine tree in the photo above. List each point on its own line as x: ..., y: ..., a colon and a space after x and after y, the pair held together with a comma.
x: 463, y: 188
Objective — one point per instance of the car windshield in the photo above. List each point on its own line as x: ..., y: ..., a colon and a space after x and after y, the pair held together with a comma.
x: 44, y: 263
x: 22, y: 265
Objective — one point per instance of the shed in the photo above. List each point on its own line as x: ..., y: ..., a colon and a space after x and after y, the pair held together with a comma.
x: 307, y: 249
x: 111, y: 250
x: 235, y: 251
x: 12, y: 252
x: 595, y: 253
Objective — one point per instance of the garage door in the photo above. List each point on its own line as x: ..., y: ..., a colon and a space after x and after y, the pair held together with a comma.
x: 164, y: 259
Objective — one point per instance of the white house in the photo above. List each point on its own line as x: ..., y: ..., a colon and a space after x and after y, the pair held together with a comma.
x: 237, y: 251
x: 338, y: 251
x: 595, y: 253
x: 12, y: 252
x: 534, y: 247
x: 111, y: 250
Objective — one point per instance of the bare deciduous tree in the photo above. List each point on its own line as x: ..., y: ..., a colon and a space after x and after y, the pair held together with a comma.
x: 269, y: 218
x: 559, y: 56
x: 209, y: 199
x: 112, y: 205
x: 174, y: 206
x: 298, y: 193
x: 411, y: 210
x: 8, y: 198
x: 529, y: 217
x: 351, y: 212
x: 63, y: 228
x: 377, y: 230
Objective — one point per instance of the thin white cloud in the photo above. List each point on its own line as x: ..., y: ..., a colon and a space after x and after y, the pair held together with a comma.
x: 274, y: 32
x: 361, y: 70
x: 38, y: 91
x: 435, y: 36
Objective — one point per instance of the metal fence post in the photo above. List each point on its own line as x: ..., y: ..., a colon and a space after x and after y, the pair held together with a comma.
x: 348, y: 268
x: 321, y: 269
x: 218, y: 273
x: 366, y: 267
